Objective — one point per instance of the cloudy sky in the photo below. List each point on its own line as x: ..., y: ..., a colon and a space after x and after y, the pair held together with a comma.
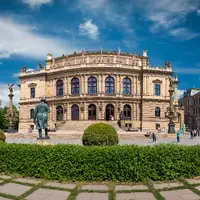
x: 168, y: 29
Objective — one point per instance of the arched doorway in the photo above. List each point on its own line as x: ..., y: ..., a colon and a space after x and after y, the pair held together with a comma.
x: 127, y: 112
x: 109, y: 112
x: 59, y: 113
x: 75, y: 112
x: 91, y: 112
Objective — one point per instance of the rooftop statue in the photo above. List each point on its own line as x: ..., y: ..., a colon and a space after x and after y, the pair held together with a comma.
x: 41, y: 118
x: 168, y: 64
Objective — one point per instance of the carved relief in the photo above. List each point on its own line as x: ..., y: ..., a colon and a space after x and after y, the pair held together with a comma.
x: 157, y: 81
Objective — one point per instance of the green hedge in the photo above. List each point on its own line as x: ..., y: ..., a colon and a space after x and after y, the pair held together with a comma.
x: 100, y: 134
x: 79, y: 163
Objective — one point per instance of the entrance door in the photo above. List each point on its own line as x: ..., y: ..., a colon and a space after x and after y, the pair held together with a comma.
x: 91, y: 112
x: 109, y: 112
x: 75, y: 112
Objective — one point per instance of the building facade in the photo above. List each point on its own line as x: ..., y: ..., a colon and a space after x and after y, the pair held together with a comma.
x: 191, y: 104
x: 98, y: 86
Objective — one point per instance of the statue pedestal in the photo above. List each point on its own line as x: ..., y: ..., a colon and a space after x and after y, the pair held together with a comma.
x: 43, y: 142
x: 11, y: 128
x: 171, y: 127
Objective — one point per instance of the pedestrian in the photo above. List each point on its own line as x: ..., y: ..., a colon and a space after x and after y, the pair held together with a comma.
x: 198, y: 132
x: 178, y: 136
x: 195, y: 133
x: 154, y: 137
x: 191, y: 134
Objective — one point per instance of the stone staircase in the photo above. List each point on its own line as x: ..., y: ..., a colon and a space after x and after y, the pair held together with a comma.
x: 80, y: 126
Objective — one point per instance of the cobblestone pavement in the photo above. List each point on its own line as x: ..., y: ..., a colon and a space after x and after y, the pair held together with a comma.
x: 36, y: 189
x: 124, y: 139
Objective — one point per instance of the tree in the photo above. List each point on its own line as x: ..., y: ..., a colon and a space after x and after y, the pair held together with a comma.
x: 4, y: 120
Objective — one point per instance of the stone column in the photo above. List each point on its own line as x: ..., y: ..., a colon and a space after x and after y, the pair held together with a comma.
x: 103, y: 84
x: 136, y: 84
x: 120, y: 84
x: 99, y: 84
x: 65, y: 86
x: 54, y: 87
x: 147, y: 85
x: 85, y: 84
x: 144, y: 85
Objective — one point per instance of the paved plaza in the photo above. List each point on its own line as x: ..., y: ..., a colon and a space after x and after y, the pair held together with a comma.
x: 13, y: 188
x: 125, y: 138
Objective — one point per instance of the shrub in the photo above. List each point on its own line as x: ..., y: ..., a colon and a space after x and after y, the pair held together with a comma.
x: 100, y: 134
x: 94, y: 163
x: 2, y: 136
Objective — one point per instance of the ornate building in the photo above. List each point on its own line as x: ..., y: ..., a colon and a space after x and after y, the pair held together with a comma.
x: 98, y: 86
x: 191, y: 103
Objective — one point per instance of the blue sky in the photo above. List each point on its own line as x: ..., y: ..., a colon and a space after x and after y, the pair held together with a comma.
x: 168, y: 29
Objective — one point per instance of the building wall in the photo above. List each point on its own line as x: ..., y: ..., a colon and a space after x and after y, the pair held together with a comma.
x: 100, y: 67
x: 191, y: 105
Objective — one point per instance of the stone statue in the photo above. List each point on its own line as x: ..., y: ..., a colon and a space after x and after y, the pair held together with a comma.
x: 24, y: 68
x: 41, y: 117
x: 10, y: 87
x: 40, y: 65
x: 168, y: 64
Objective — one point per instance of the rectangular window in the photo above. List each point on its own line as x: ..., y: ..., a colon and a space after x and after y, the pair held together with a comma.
x: 157, y: 89
x: 32, y: 93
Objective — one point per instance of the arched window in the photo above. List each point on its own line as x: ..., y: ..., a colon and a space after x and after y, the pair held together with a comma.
x: 127, y: 112
x: 92, y: 85
x: 157, y: 112
x: 59, y: 88
x: 32, y: 113
x: 75, y: 86
x: 75, y: 112
x: 110, y: 85
x: 127, y: 86
x: 59, y: 113
x: 157, y: 89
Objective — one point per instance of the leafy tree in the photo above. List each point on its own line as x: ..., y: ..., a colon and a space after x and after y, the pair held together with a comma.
x: 4, y: 120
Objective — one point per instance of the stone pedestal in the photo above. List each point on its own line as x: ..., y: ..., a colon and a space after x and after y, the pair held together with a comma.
x: 11, y: 128
x: 43, y: 142
x: 171, y: 127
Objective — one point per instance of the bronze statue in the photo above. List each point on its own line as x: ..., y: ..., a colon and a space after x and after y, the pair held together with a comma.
x: 10, y: 87
x: 41, y: 117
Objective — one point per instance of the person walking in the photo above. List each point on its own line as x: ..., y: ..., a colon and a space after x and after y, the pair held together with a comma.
x: 154, y: 137
x: 178, y: 135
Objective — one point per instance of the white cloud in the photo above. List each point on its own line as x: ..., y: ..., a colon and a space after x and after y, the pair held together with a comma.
x: 36, y: 3
x: 89, y: 29
x: 1, y: 63
x: 180, y: 93
x: 21, y: 39
x: 91, y: 5
x: 4, y: 94
x: 167, y: 13
x: 198, y: 12
x: 18, y: 74
x: 117, y: 14
x: 183, y: 34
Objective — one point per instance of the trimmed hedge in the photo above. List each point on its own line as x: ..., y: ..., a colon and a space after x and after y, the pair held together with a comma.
x: 122, y: 163
x: 2, y: 136
x: 100, y: 134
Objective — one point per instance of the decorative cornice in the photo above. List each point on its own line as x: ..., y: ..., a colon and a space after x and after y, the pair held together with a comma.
x: 32, y: 85
x: 157, y: 81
